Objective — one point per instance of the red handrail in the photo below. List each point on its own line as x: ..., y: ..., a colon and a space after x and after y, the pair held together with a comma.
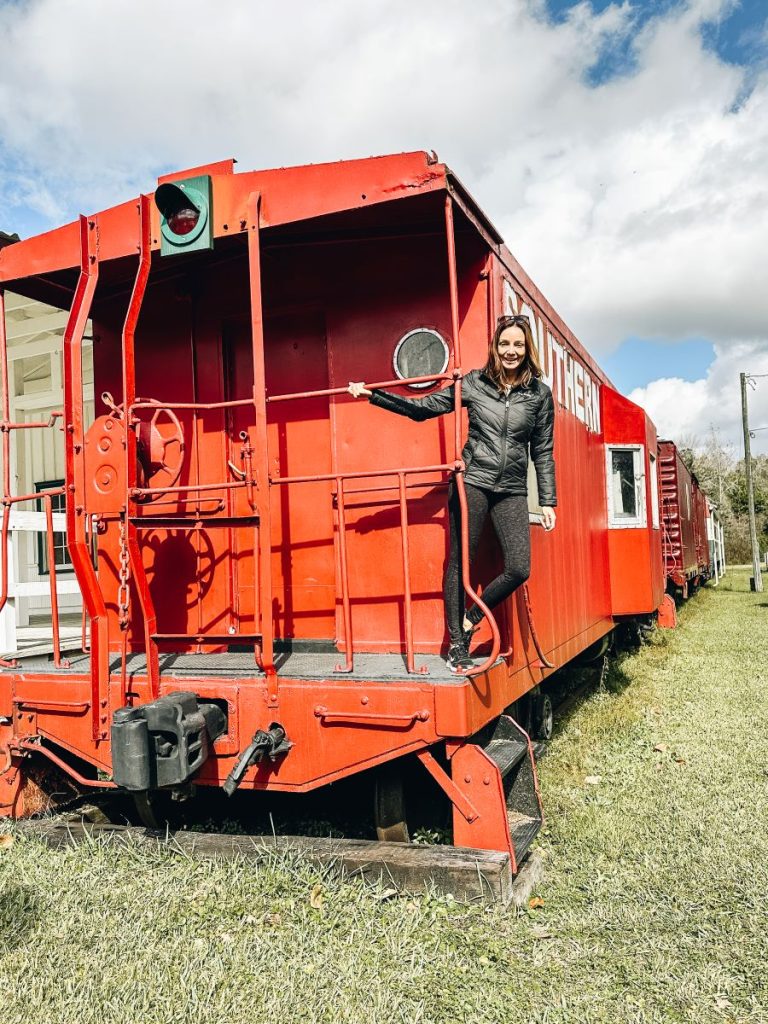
x: 261, y: 491
x: 32, y: 424
x: 144, y: 403
x: 343, y: 568
x: 360, y: 474
x: 128, y: 352
x: 37, y: 748
x: 397, y: 382
x: 52, y: 581
x: 74, y: 437
x: 456, y: 329
x: 409, y: 659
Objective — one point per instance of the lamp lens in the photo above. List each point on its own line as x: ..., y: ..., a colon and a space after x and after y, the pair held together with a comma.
x: 182, y: 221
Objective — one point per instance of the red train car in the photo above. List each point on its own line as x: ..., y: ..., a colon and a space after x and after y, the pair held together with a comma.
x: 260, y: 556
x: 684, y: 513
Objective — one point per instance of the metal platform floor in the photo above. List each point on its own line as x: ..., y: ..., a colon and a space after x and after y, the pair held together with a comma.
x: 290, y: 665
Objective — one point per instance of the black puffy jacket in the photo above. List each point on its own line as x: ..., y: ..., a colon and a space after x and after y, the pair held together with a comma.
x: 501, y: 429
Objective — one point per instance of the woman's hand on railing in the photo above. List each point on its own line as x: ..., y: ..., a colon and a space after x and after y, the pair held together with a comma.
x: 358, y: 389
x: 548, y: 518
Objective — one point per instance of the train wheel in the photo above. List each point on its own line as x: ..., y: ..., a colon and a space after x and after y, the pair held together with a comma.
x: 389, y: 805
x: 522, y: 711
x: 543, y: 717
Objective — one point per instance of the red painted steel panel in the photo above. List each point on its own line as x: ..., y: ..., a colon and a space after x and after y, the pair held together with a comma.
x: 637, y: 580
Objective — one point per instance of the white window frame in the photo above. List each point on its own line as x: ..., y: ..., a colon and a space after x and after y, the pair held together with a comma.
x: 615, y: 520
x: 654, y: 464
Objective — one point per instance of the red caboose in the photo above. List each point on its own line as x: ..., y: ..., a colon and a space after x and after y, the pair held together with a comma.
x: 260, y: 557
x: 685, y: 514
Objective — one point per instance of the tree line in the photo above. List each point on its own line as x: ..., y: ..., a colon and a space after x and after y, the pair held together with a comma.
x: 721, y: 475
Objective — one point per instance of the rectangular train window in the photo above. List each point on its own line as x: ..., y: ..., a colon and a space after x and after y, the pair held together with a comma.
x: 626, y: 486
x: 60, y: 549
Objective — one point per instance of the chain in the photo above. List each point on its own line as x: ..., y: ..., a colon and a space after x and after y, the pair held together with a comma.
x: 123, y: 592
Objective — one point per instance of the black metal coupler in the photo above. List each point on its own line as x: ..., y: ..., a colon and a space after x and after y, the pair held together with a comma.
x: 272, y: 743
x: 163, y: 743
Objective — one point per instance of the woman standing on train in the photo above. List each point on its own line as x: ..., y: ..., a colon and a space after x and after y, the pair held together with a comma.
x: 510, y: 409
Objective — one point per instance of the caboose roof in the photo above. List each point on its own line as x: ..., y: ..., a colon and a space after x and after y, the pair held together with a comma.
x: 289, y: 195
x: 403, y: 192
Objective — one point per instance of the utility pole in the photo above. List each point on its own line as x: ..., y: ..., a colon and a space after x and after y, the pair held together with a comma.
x: 758, y: 585
x: 719, y: 453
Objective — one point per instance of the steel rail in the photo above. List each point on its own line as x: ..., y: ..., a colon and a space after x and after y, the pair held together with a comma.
x: 261, y: 493
x: 32, y: 424
x: 362, y: 474
x: 128, y: 356
x: 52, y: 581
x: 338, y: 478
x: 328, y: 392
x: 37, y: 748
x: 459, y: 472
x: 75, y: 470
x: 534, y: 635
x: 17, y: 499
x: 143, y: 492
x: 409, y: 655
x: 453, y: 292
x: 144, y: 403
x: 344, y: 571
x: 423, y: 484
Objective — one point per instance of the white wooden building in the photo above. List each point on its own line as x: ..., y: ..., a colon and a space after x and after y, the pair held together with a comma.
x: 34, y: 333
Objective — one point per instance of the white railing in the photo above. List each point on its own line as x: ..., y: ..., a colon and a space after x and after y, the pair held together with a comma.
x: 27, y: 522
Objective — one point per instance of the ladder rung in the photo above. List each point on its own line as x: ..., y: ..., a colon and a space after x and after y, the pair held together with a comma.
x: 209, y: 638
x: 198, y: 523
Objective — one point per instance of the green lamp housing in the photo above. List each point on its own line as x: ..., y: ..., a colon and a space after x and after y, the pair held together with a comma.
x: 186, y: 215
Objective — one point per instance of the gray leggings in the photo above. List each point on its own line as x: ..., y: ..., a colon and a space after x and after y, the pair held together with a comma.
x: 509, y: 515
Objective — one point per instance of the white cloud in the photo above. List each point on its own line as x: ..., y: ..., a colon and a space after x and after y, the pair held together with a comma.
x: 640, y: 206
x: 690, y: 410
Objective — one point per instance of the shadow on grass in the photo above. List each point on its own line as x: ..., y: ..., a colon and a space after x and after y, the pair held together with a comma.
x: 19, y: 913
x: 577, y: 684
x: 616, y: 679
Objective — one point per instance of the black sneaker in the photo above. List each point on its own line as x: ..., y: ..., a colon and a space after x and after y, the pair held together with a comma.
x: 458, y: 659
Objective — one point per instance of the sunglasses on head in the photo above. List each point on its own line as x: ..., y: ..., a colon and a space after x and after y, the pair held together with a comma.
x: 510, y: 321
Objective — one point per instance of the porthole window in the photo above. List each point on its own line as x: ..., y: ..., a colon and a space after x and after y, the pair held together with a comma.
x: 420, y: 352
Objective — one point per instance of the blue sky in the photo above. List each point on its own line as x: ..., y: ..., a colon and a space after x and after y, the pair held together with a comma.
x: 736, y: 36
x: 638, y: 361
x: 621, y: 148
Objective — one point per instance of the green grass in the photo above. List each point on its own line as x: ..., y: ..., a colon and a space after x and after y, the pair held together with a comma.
x: 654, y: 902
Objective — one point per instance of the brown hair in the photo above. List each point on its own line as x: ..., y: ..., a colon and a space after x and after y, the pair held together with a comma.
x: 531, y: 367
